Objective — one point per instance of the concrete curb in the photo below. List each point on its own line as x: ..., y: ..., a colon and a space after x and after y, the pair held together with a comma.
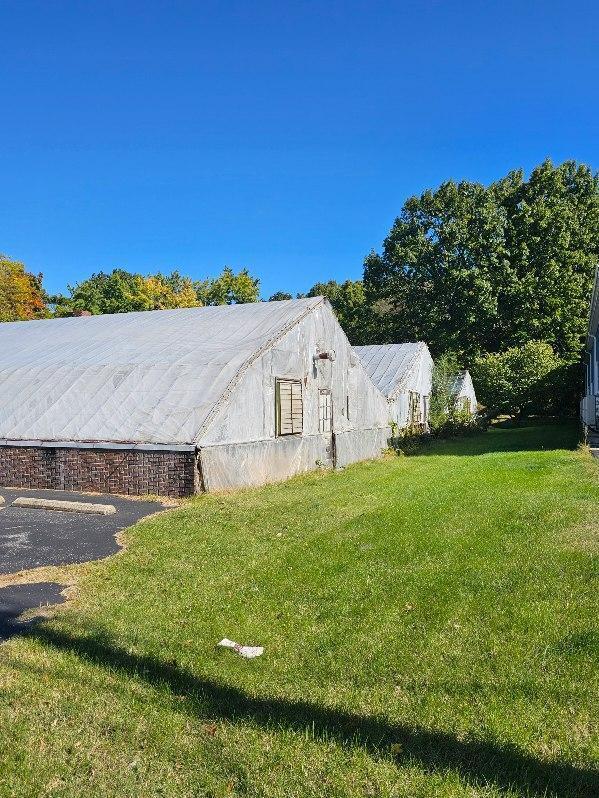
x: 67, y: 507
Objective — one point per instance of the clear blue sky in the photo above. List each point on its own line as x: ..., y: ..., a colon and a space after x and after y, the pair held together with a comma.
x: 281, y: 136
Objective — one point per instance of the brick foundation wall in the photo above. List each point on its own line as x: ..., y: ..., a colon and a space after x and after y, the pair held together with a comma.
x: 133, y: 472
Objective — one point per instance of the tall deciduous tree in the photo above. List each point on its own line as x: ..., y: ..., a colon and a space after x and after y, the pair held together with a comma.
x: 349, y: 303
x: 229, y: 288
x: 279, y: 296
x: 552, y: 237
x: 121, y: 291
x: 473, y: 269
x: 22, y: 296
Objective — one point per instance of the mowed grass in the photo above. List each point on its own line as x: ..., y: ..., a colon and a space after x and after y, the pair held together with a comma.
x: 429, y: 624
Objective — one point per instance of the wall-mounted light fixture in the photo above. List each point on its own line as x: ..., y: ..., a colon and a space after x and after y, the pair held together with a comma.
x: 325, y: 355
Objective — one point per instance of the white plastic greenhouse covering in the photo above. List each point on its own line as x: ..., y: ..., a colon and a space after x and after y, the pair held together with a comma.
x: 398, y: 370
x: 464, y: 389
x: 395, y: 368
x: 153, y: 377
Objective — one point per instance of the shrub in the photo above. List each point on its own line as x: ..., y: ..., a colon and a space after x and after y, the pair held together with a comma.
x: 526, y: 380
x: 460, y: 422
x: 443, y: 400
x: 558, y: 394
x: 408, y: 441
x: 446, y: 417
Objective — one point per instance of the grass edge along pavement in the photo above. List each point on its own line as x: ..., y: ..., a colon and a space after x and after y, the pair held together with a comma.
x: 428, y: 623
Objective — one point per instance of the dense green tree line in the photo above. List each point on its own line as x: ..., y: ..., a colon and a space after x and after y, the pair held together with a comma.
x: 23, y: 297
x: 499, y: 276
x: 473, y: 269
x: 120, y: 292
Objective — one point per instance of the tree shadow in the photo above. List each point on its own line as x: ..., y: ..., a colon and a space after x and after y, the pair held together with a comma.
x: 17, y: 599
x: 497, y: 440
x: 478, y: 762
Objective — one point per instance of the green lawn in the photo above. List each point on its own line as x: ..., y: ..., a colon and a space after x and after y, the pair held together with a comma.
x: 429, y: 623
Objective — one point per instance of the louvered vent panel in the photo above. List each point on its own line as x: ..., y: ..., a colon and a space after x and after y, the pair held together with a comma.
x: 290, y: 410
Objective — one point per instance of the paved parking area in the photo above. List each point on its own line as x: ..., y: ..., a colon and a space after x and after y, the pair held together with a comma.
x: 16, y: 599
x: 31, y: 538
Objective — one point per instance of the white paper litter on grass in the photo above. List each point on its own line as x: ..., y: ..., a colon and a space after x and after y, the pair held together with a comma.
x: 248, y: 652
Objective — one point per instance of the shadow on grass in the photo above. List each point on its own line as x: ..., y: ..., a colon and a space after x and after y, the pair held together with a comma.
x: 528, y: 438
x: 17, y: 599
x: 478, y: 762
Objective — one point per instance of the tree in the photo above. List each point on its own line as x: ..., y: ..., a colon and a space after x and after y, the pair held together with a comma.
x: 279, y: 296
x: 473, y: 269
x: 161, y: 292
x: 443, y: 399
x: 349, y: 303
x: 447, y: 416
x: 228, y: 288
x: 123, y: 292
x: 117, y: 292
x: 22, y: 296
x: 519, y: 381
x: 433, y: 281
x: 552, y: 236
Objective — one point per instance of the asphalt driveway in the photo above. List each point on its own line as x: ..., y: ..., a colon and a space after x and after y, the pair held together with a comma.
x: 30, y: 538
x: 16, y: 599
